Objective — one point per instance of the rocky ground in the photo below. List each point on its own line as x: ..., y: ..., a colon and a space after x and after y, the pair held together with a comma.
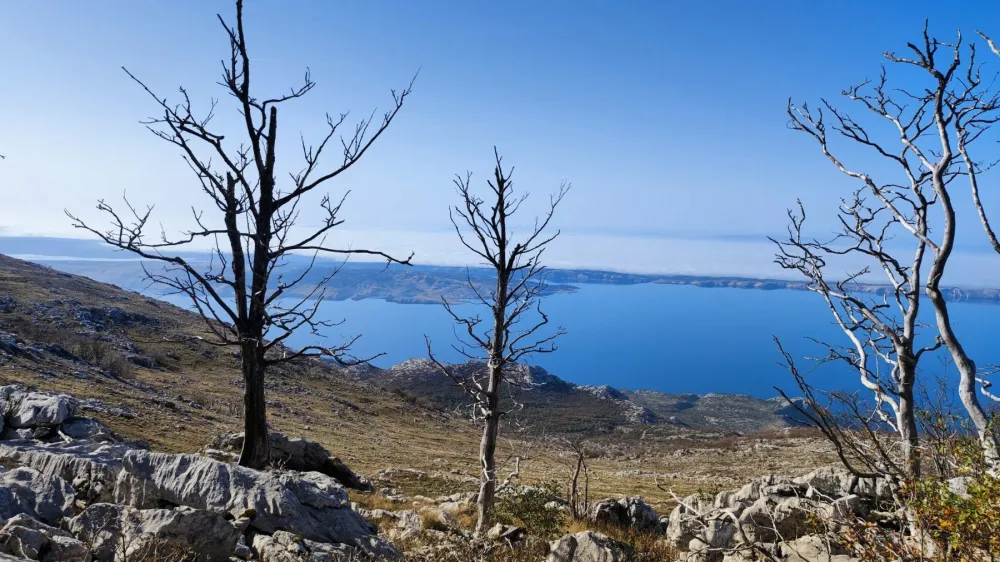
x: 73, y: 490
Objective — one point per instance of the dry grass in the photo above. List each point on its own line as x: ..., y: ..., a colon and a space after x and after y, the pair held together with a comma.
x: 372, y: 501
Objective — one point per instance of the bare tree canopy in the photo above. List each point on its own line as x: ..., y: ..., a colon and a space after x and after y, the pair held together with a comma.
x: 515, y: 326
x: 925, y: 137
x: 242, y: 293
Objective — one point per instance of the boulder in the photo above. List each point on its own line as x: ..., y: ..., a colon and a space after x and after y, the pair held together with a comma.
x: 30, y: 539
x: 686, y: 524
x: 126, y: 532
x: 309, y: 504
x: 25, y: 433
x: 814, y: 549
x: 297, y: 454
x: 831, y: 482
x: 395, y: 526
x: 587, y: 546
x: 772, y: 518
x: 507, y: 533
x: 27, y: 491
x: 86, y: 428
x: 959, y: 486
x: 99, y: 526
x: 285, y: 547
x: 36, y: 409
x: 91, y: 468
x: 633, y: 513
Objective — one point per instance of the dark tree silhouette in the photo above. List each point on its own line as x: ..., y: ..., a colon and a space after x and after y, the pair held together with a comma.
x: 514, y: 327
x: 242, y: 293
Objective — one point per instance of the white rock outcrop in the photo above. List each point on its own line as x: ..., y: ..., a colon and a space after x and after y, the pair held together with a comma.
x: 587, y: 546
x: 27, y: 491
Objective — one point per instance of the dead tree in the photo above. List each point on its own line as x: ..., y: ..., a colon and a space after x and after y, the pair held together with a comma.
x: 514, y: 328
x: 933, y: 129
x: 579, y: 506
x: 242, y: 293
x: 859, y: 431
x: 882, y: 329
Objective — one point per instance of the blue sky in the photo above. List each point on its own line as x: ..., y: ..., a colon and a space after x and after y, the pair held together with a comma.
x: 667, y: 117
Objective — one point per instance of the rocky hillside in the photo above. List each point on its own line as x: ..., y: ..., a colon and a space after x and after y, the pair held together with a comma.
x: 73, y: 490
x: 552, y: 405
x: 138, y: 365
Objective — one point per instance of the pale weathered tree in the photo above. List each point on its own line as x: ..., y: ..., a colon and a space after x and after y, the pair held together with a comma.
x: 881, y: 325
x: 514, y: 327
x: 246, y: 300
x: 928, y: 135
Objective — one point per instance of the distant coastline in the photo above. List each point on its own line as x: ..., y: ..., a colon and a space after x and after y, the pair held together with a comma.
x: 953, y: 294
x: 427, y: 284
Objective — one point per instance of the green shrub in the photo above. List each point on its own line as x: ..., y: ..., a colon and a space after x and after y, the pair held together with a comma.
x: 529, y: 507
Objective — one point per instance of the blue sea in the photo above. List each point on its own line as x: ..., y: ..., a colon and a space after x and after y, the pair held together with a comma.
x: 670, y: 338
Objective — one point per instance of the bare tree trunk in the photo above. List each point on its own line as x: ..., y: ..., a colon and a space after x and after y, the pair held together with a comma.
x: 906, y: 419
x: 965, y: 365
x: 967, y: 377
x: 574, y: 494
x: 255, y: 453
x: 487, y: 453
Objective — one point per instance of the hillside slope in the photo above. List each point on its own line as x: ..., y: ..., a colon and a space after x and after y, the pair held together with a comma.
x: 139, y: 366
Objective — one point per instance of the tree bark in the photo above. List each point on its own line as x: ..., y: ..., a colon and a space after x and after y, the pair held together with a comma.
x: 965, y: 365
x: 256, y: 452
x: 967, y: 378
x: 574, y: 494
x: 487, y: 454
x: 906, y: 421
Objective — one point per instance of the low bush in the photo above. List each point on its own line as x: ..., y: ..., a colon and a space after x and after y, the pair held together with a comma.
x: 944, y: 517
x: 531, y: 507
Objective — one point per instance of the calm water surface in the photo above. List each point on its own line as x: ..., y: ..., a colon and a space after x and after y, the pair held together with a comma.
x: 663, y: 337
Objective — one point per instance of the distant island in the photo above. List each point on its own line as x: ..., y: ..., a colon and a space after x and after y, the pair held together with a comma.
x: 419, y: 284
x: 428, y: 284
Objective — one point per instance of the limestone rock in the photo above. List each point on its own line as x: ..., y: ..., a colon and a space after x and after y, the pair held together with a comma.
x: 23, y: 434
x: 25, y: 490
x: 308, y: 504
x: 587, y: 546
x: 118, y: 531
x: 395, y: 526
x: 86, y: 428
x: 959, y: 486
x: 100, y: 526
x: 37, y: 409
x: 771, y: 518
x: 814, y: 549
x: 298, y: 454
x: 631, y: 513
x: 25, y: 537
x: 507, y: 533
x: 91, y: 468
x: 836, y: 481
x: 285, y: 547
